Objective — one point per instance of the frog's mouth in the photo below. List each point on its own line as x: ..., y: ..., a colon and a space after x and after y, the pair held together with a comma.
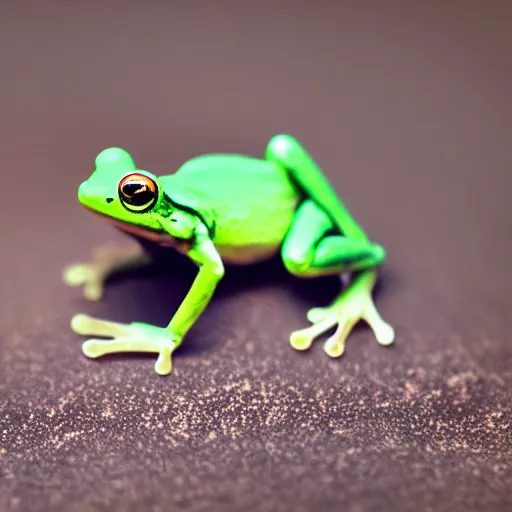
x: 155, y: 235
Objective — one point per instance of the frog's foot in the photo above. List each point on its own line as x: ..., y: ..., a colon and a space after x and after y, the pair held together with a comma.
x: 353, y: 305
x: 134, y: 337
x: 106, y: 260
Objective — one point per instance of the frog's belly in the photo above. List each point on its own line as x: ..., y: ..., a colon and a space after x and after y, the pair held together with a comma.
x: 230, y: 254
x: 255, y: 230
x: 243, y: 253
x: 247, y: 254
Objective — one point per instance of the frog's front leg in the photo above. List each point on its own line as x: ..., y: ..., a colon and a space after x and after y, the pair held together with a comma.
x: 308, y: 252
x: 106, y: 261
x: 140, y: 337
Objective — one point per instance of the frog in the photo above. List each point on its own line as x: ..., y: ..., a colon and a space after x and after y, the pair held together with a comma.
x: 222, y: 210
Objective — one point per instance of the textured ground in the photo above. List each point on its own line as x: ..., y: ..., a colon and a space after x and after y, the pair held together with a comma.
x: 408, y: 111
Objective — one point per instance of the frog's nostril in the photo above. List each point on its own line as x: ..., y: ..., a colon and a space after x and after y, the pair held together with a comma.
x: 109, y: 199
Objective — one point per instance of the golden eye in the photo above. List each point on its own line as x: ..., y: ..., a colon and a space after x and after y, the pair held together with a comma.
x: 137, y: 192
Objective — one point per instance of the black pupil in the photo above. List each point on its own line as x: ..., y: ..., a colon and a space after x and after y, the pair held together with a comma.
x: 137, y: 194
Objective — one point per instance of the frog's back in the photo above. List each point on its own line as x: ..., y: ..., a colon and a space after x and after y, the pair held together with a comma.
x: 253, y: 201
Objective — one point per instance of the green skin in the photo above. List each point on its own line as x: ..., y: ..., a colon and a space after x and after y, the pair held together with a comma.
x: 228, y: 209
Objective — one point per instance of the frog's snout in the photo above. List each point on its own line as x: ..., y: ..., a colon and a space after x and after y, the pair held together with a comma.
x: 82, y: 192
x: 93, y: 195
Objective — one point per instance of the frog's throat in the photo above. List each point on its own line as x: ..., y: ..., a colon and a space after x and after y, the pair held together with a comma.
x: 158, y: 236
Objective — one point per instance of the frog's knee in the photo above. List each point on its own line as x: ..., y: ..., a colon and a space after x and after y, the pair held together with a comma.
x: 282, y: 147
x: 297, y: 263
x: 379, y: 253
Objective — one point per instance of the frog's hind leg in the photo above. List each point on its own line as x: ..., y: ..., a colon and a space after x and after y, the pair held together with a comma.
x: 309, y: 251
x: 287, y: 152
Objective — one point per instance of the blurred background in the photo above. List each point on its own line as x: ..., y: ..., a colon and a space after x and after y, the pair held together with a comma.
x: 407, y: 108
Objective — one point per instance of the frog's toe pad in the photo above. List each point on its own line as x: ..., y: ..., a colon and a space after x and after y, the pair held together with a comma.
x: 76, y: 275
x: 163, y: 365
x: 133, y: 337
x: 93, y: 291
x: 353, y: 305
x: 385, y: 335
x: 92, y: 348
x: 301, y: 340
x: 81, y: 323
x: 315, y: 315
x: 334, y: 347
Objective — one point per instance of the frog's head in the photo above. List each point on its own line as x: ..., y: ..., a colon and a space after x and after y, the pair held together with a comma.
x: 119, y: 191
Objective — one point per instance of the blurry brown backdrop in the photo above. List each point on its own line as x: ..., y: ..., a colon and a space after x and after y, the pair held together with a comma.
x: 407, y: 108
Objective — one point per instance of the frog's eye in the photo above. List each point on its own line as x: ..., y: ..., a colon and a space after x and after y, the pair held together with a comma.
x: 137, y: 192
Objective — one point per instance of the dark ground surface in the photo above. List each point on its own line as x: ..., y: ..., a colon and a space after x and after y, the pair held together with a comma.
x: 408, y: 110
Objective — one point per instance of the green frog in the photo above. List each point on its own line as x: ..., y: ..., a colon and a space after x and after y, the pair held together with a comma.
x: 221, y: 210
